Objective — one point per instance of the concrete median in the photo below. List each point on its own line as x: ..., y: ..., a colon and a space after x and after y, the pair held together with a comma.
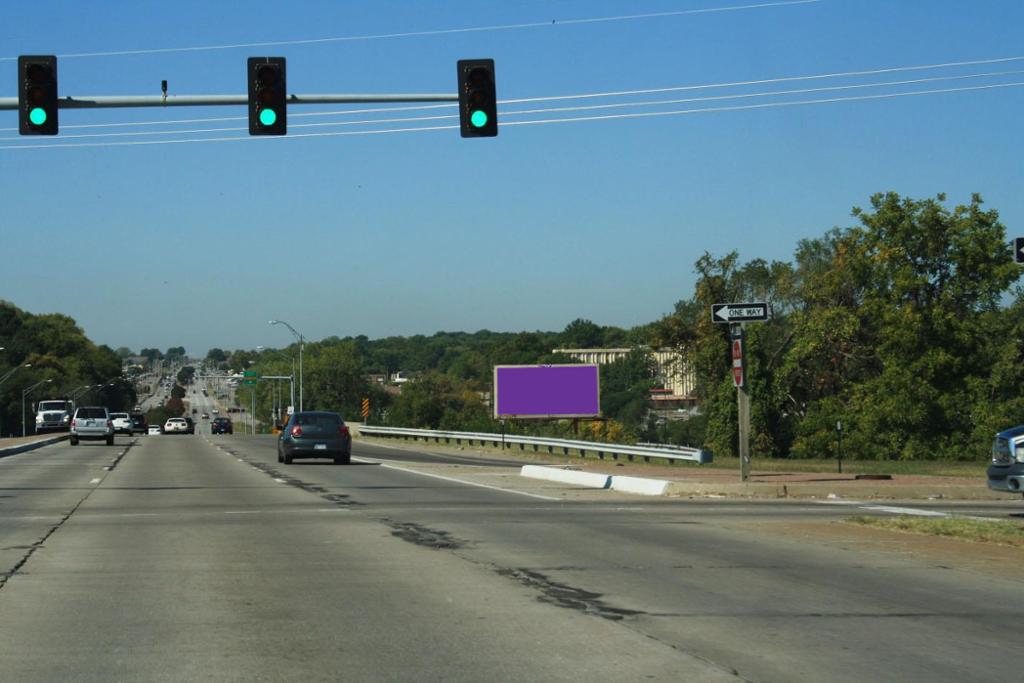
x: 575, y: 477
x: 28, y: 443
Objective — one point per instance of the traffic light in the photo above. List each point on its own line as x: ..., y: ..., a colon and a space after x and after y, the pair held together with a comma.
x: 37, y: 95
x: 268, y: 112
x: 1018, y: 250
x: 478, y: 98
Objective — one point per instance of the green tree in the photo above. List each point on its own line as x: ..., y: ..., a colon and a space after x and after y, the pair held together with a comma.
x: 581, y: 334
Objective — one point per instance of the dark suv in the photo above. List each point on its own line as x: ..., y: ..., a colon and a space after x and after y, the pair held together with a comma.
x: 139, y: 424
x: 221, y: 425
x: 315, y: 435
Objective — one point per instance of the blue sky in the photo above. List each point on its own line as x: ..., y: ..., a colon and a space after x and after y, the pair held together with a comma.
x: 200, y: 244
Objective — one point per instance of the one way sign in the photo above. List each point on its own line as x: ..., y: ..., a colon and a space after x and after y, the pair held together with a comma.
x: 739, y: 313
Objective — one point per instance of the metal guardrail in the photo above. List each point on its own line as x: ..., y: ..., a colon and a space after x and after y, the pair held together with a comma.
x: 697, y: 455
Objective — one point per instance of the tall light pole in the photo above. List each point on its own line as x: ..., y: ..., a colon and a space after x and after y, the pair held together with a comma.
x: 291, y: 381
x: 7, y: 376
x: 24, y: 393
x: 79, y: 391
x: 301, y: 341
x: 12, y: 371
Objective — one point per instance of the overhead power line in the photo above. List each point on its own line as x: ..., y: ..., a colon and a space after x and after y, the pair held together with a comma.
x: 437, y: 32
x: 603, y: 117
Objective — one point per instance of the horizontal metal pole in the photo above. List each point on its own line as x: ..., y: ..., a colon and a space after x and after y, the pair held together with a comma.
x: 128, y: 101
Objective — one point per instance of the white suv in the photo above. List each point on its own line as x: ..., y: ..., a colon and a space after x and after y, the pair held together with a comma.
x: 122, y: 423
x: 92, y: 422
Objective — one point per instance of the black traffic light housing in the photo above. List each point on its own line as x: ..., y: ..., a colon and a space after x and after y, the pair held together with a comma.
x: 37, y: 95
x: 1018, y: 250
x: 268, y: 109
x: 478, y: 99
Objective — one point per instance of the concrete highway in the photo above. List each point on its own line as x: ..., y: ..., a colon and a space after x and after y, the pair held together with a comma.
x: 202, y: 558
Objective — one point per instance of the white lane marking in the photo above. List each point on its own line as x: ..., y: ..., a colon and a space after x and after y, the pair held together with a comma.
x: 458, y: 481
x: 907, y: 511
x: 107, y: 468
x: 899, y: 510
x: 94, y: 481
x: 279, y: 481
x: 242, y: 512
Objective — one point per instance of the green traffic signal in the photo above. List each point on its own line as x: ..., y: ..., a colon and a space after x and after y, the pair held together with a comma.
x: 37, y: 116
x: 268, y: 117
x: 478, y: 118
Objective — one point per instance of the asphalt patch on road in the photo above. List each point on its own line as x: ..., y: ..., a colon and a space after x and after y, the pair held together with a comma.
x: 421, y: 535
x: 336, y: 498
x: 562, y: 595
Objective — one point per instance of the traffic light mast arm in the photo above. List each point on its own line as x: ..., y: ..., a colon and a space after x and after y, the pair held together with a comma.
x: 129, y: 101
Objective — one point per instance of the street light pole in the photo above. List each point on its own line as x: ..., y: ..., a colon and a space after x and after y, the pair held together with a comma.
x: 6, y: 376
x: 24, y: 393
x: 301, y: 341
x: 12, y: 371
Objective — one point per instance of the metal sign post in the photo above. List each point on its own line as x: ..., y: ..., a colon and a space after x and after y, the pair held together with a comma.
x: 839, y: 445
x: 742, y: 400
x: 735, y: 315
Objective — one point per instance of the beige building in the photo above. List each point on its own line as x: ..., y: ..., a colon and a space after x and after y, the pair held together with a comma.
x: 674, y: 370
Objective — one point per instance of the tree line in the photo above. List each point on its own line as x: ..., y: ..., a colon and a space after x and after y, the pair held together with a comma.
x: 906, y: 328
x: 58, y: 350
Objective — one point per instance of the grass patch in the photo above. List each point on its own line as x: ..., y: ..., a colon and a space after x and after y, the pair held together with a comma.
x: 935, y: 468
x: 976, y: 530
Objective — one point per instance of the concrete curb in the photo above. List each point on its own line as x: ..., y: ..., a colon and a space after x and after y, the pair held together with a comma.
x: 641, y: 485
x: 31, y: 446
x: 591, y: 480
x: 825, y: 491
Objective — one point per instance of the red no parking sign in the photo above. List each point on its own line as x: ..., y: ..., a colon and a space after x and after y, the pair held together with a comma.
x: 737, y: 363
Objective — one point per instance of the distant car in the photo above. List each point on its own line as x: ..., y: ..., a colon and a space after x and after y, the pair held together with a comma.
x: 153, y: 429
x: 138, y: 423
x: 214, y: 411
x: 191, y: 425
x: 175, y: 425
x: 221, y: 425
x: 206, y: 416
x: 122, y: 423
x: 315, y: 434
x: 91, y: 423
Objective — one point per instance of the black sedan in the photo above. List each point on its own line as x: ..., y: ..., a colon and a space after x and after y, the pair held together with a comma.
x: 221, y: 425
x: 316, y: 434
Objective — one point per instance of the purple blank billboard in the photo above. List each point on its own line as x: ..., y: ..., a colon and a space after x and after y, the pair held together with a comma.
x: 546, y: 391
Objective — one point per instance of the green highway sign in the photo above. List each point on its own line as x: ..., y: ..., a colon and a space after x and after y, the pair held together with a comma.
x: 250, y: 377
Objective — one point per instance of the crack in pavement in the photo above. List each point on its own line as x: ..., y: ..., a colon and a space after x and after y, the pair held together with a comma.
x: 6, y: 576
x: 563, y: 595
x: 336, y: 498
